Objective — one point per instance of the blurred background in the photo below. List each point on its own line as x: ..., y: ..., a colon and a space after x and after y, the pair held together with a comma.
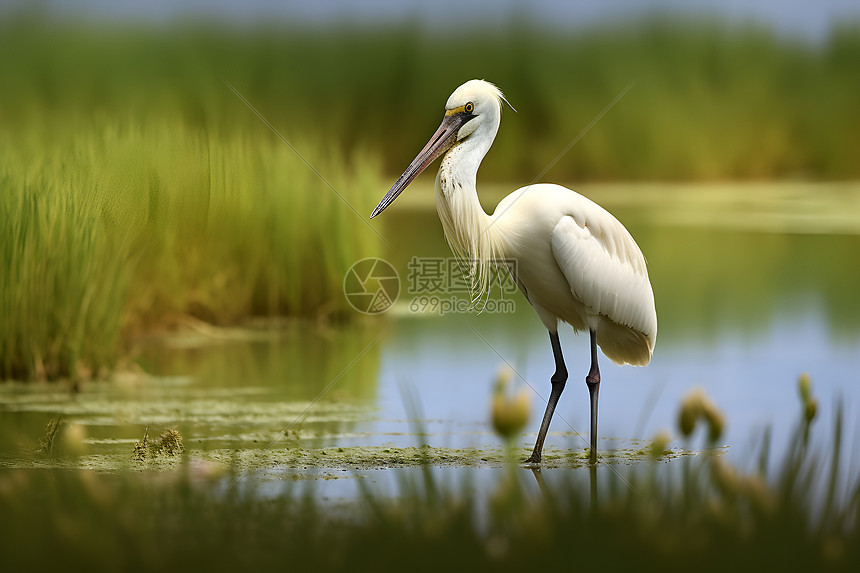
x: 143, y: 197
x: 184, y: 187
x: 737, y: 90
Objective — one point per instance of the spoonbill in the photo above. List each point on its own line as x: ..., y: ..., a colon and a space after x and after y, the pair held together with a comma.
x: 573, y: 260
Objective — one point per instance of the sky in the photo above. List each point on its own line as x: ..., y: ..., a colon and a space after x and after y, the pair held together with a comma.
x: 809, y: 20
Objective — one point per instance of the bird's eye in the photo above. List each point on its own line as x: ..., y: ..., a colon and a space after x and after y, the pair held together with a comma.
x: 469, y: 107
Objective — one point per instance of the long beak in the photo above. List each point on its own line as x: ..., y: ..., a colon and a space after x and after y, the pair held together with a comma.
x: 441, y: 141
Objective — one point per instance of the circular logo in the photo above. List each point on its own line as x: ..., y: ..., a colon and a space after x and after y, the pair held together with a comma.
x: 371, y: 285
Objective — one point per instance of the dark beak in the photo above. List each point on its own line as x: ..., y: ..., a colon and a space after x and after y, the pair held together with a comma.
x: 441, y: 142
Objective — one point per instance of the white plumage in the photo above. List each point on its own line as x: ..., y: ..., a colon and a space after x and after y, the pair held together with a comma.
x: 572, y: 259
x: 577, y: 263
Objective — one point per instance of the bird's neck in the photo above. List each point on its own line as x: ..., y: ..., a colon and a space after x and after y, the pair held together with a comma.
x: 468, y: 228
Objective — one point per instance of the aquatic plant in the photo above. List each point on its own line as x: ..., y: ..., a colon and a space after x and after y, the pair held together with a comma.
x: 137, y: 189
x: 799, y: 515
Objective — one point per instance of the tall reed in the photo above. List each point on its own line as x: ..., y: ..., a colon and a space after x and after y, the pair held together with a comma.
x: 123, y: 225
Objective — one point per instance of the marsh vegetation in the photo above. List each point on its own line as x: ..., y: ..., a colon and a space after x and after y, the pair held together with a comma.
x: 169, y: 264
x: 138, y: 189
x: 211, y: 515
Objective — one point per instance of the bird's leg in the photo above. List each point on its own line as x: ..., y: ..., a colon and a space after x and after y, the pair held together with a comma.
x: 593, y: 383
x: 558, y: 380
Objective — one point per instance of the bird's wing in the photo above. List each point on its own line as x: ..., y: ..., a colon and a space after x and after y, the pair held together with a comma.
x: 605, y: 268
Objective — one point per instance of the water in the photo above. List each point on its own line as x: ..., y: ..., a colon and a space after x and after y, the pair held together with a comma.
x: 750, y: 293
x: 753, y: 287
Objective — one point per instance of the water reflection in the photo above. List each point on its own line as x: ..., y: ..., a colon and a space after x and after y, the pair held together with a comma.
x: 294, y: 362
x: 223, y: 389
x: 741, y: 312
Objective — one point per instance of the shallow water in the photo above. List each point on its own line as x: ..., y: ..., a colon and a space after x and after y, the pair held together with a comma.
x: 743, y: 310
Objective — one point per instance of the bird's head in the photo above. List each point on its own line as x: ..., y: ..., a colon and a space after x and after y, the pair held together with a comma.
x: 472, y: 112
x: 479, y: 104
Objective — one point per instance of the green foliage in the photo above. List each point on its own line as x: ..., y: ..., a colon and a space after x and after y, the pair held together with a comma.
x: 709, y: 516
x: 711, y: 101
x: 135, y: 187
x: 118, y: 224
x: 54, y: 313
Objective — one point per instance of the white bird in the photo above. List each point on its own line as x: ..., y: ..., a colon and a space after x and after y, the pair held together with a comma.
x: 572, y: 259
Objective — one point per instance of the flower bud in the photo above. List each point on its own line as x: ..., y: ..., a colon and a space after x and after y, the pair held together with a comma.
x: 509, y: 413
x: 804, y: 386
x: 810, y: 409
x: 691, y: 411
x: 659, y: 444
x: 697, y: 405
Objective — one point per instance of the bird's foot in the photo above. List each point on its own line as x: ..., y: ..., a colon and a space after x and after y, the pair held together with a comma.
x: 533, y: 459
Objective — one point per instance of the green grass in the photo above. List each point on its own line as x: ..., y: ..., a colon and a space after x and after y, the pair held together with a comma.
x: 711, y: 100
x: 117, y: 225
x: 707, y: 515
x: 136, y: 187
